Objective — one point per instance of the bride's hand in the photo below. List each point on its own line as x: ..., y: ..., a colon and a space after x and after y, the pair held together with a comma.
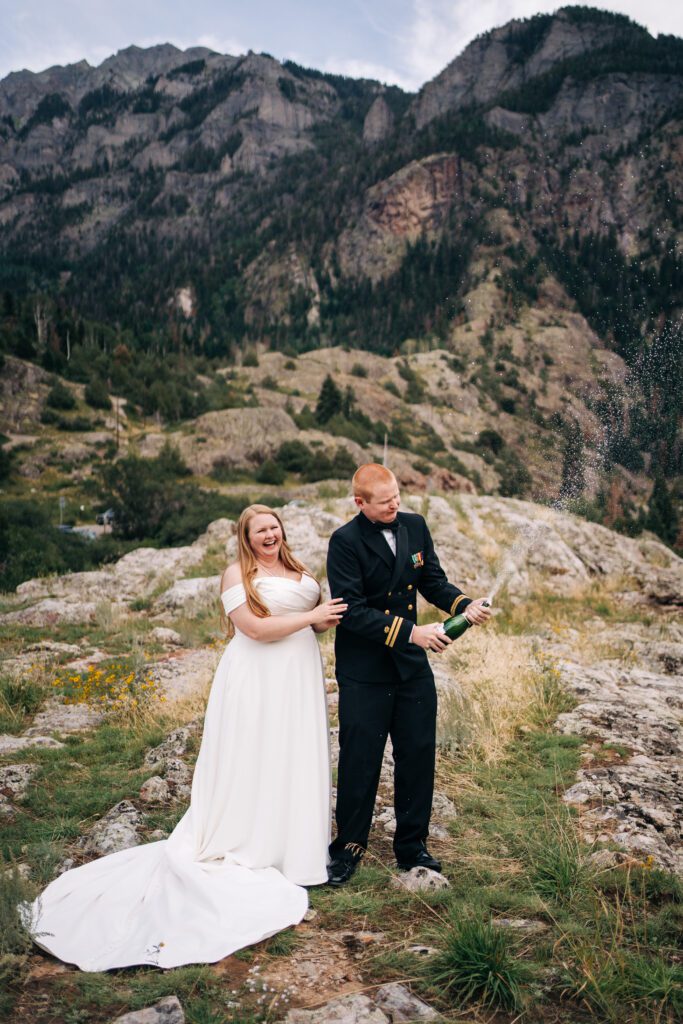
x: 328, y: 614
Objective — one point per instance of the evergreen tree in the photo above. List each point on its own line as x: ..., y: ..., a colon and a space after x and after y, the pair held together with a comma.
x: 661, y: 515
x: 573, y: 462
x: 330, y: 401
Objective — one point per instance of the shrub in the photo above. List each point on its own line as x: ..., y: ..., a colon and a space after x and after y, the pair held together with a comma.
x: 270, y: 473
x: 492, y: 440
x: 250, y: 358
x: 5, y: 464
x: 96, y: 394
x: 358, y: 370
x: 60, y: 397
x: 293, y: 456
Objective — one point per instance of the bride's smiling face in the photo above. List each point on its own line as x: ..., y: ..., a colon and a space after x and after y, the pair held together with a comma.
x: 265, y: 536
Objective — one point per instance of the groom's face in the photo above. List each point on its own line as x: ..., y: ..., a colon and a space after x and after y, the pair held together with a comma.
x: 382, y: 504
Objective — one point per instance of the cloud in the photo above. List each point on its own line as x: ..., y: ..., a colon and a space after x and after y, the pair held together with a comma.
x: 441, y: 29
x: 366, y: 69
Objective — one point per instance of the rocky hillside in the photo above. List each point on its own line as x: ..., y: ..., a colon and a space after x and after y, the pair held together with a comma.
x: 558, y: 780
x: 169, y: 214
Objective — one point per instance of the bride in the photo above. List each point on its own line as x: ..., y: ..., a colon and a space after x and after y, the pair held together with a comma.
x: 258, y: 826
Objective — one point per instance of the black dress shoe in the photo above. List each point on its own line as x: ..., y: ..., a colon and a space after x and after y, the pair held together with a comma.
x: 342, y: 868
x: 421, y: 859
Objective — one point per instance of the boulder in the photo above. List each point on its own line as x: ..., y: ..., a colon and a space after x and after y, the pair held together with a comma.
x: 15, y: 779
x: 155, y: 791
x: 117, y: 830
x: 175, y: 745
x: 419, y: 880
x: 352, y: 1009
x: 11, y: 744
x: 400, y: 1005
x: 166, y: 1011
x: 165, y: 636
x: 187, y: 595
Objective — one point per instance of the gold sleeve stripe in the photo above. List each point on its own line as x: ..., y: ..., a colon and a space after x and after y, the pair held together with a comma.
x: 393, y: 632
x: 463, y: 597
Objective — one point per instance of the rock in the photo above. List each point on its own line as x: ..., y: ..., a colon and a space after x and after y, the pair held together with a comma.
x: 175, y: 744
x: 65, y: 718
x: 310, y: 914
x: 7, y: 810
x: 166, y: 1011
x: 189, y: 594
x: 158, y: 835
x: 422, y: 950
x: 52, y: 611
x: 419, y: 880
x: 520, y: 924
x: 353, y: 1009
x: 185, y: 673
x: 166, y: 636
x: 52, y: 648
x: 178, y: 778
x: 358, y: 942
x: 22, y: 870
x: 605, y: 860
x: 155, y: 791
x: 15, y: 779
x: 378, y: 122
x: 442, y: 807
x: 117, y: 830
x: 11, y: 744
x: 400, y: 1005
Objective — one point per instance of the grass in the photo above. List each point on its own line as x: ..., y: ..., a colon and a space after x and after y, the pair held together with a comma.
x: 20, y: 698
x: 607, y: 948
x: 477, y: 964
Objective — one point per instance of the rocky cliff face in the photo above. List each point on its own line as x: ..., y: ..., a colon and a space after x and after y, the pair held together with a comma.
x: 523, y: 211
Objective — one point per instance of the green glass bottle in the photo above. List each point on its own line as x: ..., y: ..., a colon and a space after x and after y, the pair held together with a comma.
x: 457, y: 624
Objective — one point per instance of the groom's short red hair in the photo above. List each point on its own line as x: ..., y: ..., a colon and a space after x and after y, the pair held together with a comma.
x: 367, y: 477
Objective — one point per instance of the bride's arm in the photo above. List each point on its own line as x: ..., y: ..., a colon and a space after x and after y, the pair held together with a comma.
x: 276, y: 627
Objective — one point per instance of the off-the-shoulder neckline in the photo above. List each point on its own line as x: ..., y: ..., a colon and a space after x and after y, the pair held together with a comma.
x: 268, y: 579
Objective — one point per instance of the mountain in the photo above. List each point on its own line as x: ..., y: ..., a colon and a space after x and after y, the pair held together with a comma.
x: 521, y: 212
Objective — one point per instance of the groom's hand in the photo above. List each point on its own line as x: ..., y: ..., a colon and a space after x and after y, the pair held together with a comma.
x: 430, y: 637
x: 477, y: 613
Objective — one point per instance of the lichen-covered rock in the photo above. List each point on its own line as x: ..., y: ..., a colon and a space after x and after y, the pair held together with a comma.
x: 353, y: 1009
x: 166, y: 1011
x: 11, y: 744
x: 15, y: 779
x: 401, y: 1006
x: 175, y: 745
x: 155, y: 791
x: 119, y: 829
x: 169, y: 637
x: 419, y: 880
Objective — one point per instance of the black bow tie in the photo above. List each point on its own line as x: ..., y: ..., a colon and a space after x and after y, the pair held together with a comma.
x: 381, y: 527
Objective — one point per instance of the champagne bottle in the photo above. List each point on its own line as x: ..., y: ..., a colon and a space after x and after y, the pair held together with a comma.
x: 457, y: 624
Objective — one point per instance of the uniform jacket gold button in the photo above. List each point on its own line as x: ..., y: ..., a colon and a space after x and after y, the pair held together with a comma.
x: 386, y: 611
x: 410, y: 607
x: 389, y: 594
x: 410, y: 586
x: 386, y: 629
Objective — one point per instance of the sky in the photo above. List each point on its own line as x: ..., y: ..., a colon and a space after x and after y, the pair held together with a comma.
x: 401, y: 42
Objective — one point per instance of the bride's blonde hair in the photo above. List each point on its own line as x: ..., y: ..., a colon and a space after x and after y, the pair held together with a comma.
x: 249, y: 565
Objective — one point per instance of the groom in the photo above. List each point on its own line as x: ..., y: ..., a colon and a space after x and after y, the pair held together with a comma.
x: 378, y: 563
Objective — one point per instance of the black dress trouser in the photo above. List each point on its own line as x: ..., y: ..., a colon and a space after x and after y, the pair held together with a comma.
x: 405, y: 710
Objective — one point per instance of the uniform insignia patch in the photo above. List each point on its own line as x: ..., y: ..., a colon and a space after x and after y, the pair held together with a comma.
x: 418, y: 559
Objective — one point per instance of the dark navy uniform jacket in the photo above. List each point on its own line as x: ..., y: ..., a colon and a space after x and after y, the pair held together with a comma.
x: 372, y: 642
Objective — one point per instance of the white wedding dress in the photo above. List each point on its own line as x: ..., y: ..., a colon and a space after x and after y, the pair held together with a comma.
x: 256, y: 831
